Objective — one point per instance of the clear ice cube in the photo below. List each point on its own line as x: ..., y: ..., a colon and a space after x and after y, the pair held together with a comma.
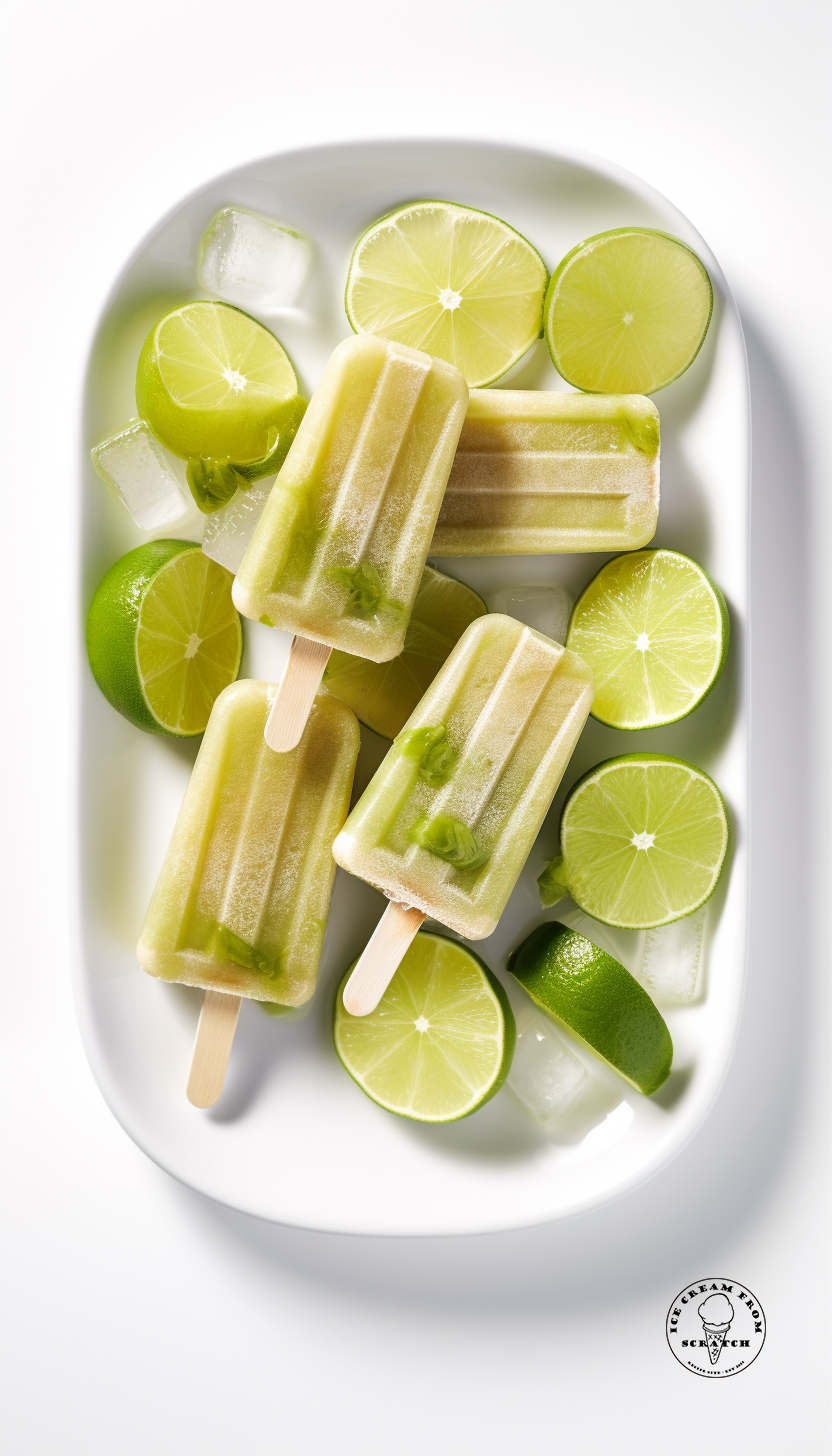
x: 545, y: 1074
x: 143, y: 476
x: 545, y: 608
x: 672, y: 960
x: 626, y: 946
x: 252, y: 260
x: 229, y: 530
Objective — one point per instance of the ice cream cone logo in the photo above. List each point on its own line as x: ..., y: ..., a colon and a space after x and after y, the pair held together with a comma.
x: 716, y: 1313
x: 716, y: 1327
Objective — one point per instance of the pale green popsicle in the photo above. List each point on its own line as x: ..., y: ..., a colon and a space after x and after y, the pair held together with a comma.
x: 242, y: 900
x: 448, y: 820
x: 339, y: 550
x: 539, y: 472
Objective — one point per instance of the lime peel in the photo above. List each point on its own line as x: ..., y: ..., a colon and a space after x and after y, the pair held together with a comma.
x: 163, y: 637
x: 587, y: 991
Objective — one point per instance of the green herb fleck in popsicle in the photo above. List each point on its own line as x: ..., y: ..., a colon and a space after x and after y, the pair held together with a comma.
x: 450, y: 840
x: 437, y: 759
x: 240, y: 953
x: 366, y: 596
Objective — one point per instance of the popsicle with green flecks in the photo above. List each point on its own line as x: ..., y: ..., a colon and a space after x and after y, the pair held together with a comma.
x: 446, y: 823
x: 241, y: 903
x: 338, y: 553
x: 544, y: 472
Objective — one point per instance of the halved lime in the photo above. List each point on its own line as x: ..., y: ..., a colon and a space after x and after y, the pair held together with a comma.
x: 453, y: 281
x: 654, y: 628
x: 163, y: 637
x: 626, y: 311
x: 593, y: 996
x: 213, y: 383
x: 440, y: 1042
x: 384, y: 694
x: 643, y: 840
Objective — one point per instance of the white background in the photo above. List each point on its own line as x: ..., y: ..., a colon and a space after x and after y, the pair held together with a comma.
x: 138, y: 1318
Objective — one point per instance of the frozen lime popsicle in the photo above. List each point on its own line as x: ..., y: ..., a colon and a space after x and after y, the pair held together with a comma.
x: 241, y: 903
x: 537, y: 472
x: 446, y: 823
x: 338, y: 553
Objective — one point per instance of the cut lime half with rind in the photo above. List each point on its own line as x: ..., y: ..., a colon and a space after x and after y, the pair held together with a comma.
x: 654, y: 628
x: 590, y: 994
x: 164, y: 638
x: 627, y: 311
x: 456, y: 282
x: 643, y: 841
x: 213, y: 383
x: 384, y: 694
x: 440, y: 1042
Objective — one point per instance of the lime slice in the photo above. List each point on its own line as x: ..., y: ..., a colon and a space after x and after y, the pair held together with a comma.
x: 593, y: 996
x: 440, y: 1042
x: 643, y: 839
x: 453, y: 281
x: 654, y: 629
x: 384, y: 694
x: 626, y: 311
x: 163, y: 637
x: 214, y: 383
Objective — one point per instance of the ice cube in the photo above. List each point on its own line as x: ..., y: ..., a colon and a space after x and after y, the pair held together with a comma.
x: 545, y: 1074
x: 252, y: 260
x: 672, y: 960
x: 142, y: 474
x: 625, y: 946
x: 545, y: 608
x: 229, y: 530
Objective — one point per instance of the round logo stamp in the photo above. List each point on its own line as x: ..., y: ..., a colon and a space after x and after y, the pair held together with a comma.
x: 716, y: 1327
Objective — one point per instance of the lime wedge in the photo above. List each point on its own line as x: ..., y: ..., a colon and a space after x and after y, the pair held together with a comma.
x: 163, y: 637
x: 585, y: 990
x: 654, y: 629
x: 626, y: 311
x: 383, y: 694
x: 643, y: 840
x: 440, y: 1042
x: 453, y: 281
x: 213, y: 383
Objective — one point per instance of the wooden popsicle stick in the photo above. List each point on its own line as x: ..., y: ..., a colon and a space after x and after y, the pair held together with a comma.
x: 296, y: 693
x: 214, y: 1037
x: 381, y: 957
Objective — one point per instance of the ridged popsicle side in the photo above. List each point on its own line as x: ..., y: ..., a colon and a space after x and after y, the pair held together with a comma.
x: 242, y: 900
x: 339, y: 550
x: 551, y: 472
x: 498, y: 726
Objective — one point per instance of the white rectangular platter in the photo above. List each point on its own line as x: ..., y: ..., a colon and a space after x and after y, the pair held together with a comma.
x: 293, y: 1139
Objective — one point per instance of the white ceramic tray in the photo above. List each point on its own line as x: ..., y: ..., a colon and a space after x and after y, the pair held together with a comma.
x: 293, y: 1139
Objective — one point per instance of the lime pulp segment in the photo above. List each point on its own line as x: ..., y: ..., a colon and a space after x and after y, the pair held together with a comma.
x: 213, y: 383
x: 643, y: 840
x: 384, y: 694
x: 626, y: 312
x: 654, y: 628
x: 453, y: 281
x: 440, y: 1042
x: 188, y: 642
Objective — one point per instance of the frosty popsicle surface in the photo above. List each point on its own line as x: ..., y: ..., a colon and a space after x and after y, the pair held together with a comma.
x: 243, y: 896
x: 543, y: 472
x: 448, y: 820
x: 338, y: 553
